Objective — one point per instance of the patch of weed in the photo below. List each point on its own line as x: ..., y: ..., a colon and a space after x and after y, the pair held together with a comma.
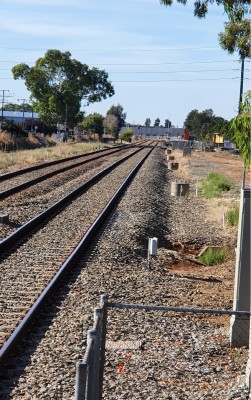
x: 232, y: 217
x: 213, y: 256
x: 215, y: 184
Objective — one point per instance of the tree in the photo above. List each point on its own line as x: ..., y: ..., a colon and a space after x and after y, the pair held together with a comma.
x: 203, y: 124
x: 111, y: 123
x: 93, y: 123
x: 126, y: 135
x: 157, y: 122
x: 148, y: 122
x: 236, y: 37
x: 58, y: 85
x: 118, y: 112
x: 201, y: 7
x: 240, y: 128
x: 167, y: 123
x: 17, y: 107
x: 14, y: 129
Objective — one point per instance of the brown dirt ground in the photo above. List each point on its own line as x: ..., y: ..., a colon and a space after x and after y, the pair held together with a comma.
x: 219, y: 293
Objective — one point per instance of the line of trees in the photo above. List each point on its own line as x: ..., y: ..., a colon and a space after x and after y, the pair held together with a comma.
x: 167, y: 123
x: 111, y: 123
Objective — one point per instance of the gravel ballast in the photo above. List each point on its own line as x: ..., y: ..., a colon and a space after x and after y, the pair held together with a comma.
x: 181, y: 356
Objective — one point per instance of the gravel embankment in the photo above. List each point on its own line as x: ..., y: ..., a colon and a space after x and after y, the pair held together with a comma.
x: 182, y: 356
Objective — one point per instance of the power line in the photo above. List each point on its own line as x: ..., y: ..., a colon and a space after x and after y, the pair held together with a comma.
x: 175, y: 63
x: 117, y: 50
x: 164, y: 63
x: 164, y: 72
x: 168, y: 80
x: 175, y: 72
x: 179, y: 80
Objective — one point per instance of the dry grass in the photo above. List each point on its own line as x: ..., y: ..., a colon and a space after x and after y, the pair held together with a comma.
x: 184, y: 163
x: 42, y: 149
x: 216, y: 207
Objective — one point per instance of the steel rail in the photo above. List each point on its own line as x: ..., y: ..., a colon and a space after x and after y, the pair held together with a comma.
x: 8, y: 347
x: 146, y: 307
x: 22, y: 171
x: 6, y: 243
x: 41, y: 178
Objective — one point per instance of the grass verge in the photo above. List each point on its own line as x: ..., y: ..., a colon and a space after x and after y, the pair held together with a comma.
x: 213, y: 256
x: 25, y: 158
x: 232, y: 217
x: 215, y: 184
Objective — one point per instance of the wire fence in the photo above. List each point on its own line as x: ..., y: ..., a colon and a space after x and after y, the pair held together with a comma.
x: 157, y: 352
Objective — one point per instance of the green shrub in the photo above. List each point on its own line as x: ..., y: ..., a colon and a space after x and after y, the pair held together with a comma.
x: 213, y: 256
x: 215, y: 184
x: 14, y: 128
x: 126, y: 135
x: 232, y: 217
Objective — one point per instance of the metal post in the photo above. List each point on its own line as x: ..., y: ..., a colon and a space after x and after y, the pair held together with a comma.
x: 91, y: 337
x: 80, y: 381
x: 148, y: 255
x: 239, y: 328
x: 3, y: 97
x: 66, y: 112
x: 32, y: 121
x: 23, y: 100
x: 196, y: 188
x: 241, y: 84
x: 98, y: 314
x: 103, y: 304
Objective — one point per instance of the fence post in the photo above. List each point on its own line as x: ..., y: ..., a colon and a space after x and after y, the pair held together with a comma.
x: 91, y: 337
x: 80, y: 381
x: 103, y: 304
x: 239, y: 329
x: 98, y: 314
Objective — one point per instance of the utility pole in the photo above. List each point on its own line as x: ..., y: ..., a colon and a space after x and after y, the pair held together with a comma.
x: 241, y: 84
x: 23, y: 100
x: 3, y: 98
x: 66, y: 116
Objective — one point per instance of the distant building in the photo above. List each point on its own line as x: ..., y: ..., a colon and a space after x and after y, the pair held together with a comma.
x: 155, y: 132
x: 19, y: 116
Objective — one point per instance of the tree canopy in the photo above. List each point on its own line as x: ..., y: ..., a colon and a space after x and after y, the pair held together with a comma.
x: 126, y: 135
x: 111, y: 124
x: 201, y: 7
x: 118, y: 112
x: 148, y: 122
x: 203, y: 124
x: 236, y: 37
x: 17, y: 107
x: 240, y: 128
x: 93, y: 123
x: 157, y: 122
x: 58, y: 84
x: 168, y: 123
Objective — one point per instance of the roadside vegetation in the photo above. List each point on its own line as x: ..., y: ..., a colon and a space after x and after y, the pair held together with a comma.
x: 232, y: 217
x: 50, y: 150
x: 213, y: 256
x: 215, y: 184
x: 126, y: 135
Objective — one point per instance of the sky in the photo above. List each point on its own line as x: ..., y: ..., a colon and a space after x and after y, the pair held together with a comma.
x: 162, y: 61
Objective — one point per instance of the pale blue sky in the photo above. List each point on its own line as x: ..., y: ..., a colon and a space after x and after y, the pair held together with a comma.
x: 162, y: 61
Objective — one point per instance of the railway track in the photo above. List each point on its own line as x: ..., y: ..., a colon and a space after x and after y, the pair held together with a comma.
x: 44, y: 364
x: 35, y: 256
x: 22, y: 204
x: 21, y: 179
